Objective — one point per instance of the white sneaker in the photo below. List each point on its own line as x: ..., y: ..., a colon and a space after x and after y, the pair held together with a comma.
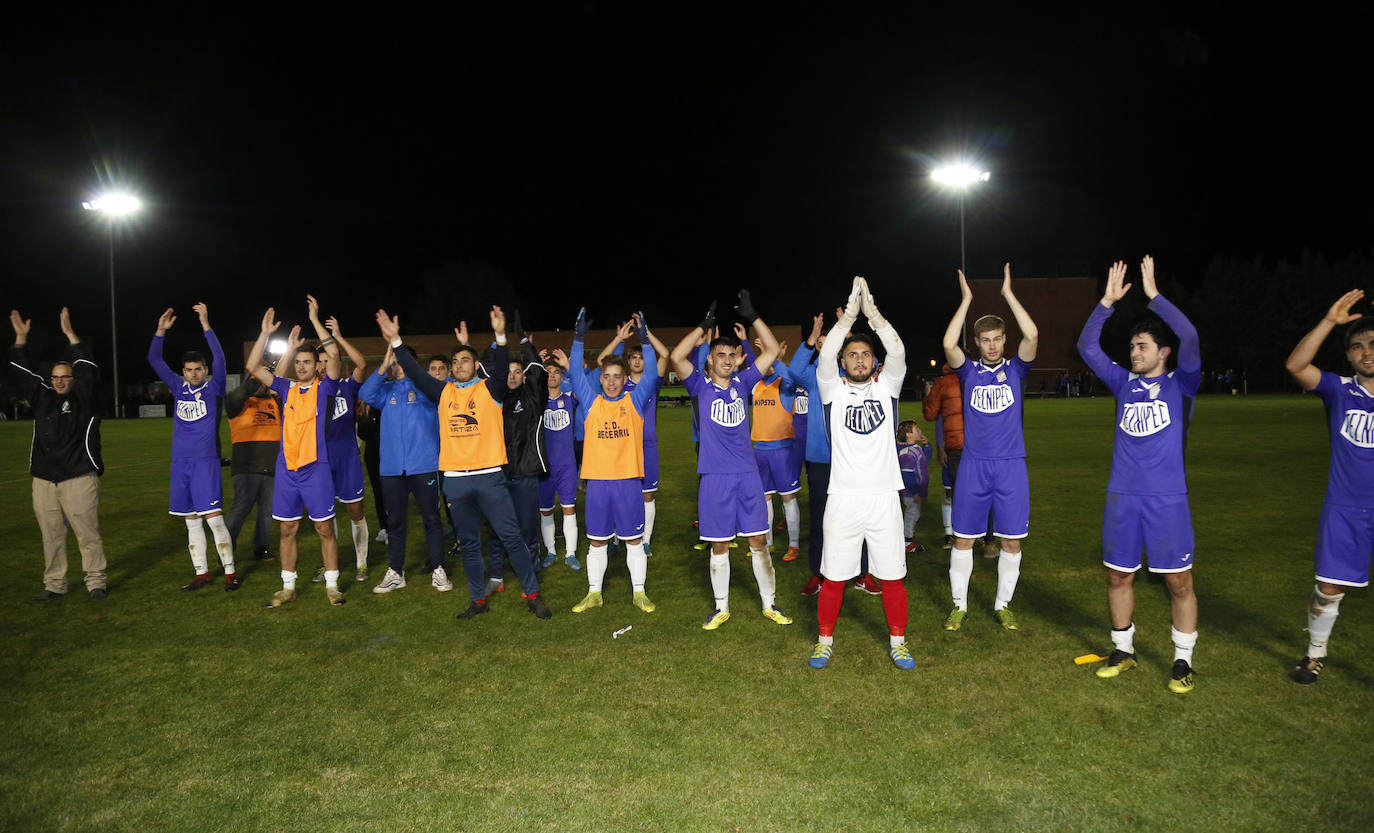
x: 439, y: 579
x: 381, y: 536
x: 391, y: 581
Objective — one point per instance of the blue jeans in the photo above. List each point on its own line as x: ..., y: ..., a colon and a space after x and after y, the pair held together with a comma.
x: 524, y: 494
x: 472, y: 497
x: 425, y: 488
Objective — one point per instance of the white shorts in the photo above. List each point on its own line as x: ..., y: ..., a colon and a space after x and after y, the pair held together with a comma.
x: 852, y: 520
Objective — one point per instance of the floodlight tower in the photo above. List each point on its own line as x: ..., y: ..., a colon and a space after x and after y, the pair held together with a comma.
x: 959, y: 177
x: 114, y: 206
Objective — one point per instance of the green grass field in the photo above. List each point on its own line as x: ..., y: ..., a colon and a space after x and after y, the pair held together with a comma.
x: 161, y: 710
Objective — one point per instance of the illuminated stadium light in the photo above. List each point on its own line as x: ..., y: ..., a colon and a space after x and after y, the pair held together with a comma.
x: 116, y: 204
x: 959, y: 175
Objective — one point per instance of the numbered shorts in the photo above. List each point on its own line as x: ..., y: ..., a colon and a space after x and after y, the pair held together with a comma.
x: 559, y: 485
x: 614, y: 507
x: 196, y: 488
x: 650, y: 481
x: 1345, y: 544
x: 346, y: 470
x: 1161, y: 525
x: 1001, y: 487
x: 730, y: 505
x: 853, y: 520
x: 776, y: 471
x: 309, y: 489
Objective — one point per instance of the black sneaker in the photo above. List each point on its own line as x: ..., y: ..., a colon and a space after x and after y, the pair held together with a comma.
x: 1306, y: 670
x: 232, y: 583
x: 45, y: 596
x: 538, y: 607
x: 949, y: 542
x: 473, y: 609
x: 98, y: 594
x: 1181, y: 677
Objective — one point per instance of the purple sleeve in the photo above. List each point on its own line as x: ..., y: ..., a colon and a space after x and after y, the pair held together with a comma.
x: 160, y: 367
x: 281, y: 387
x: 1189, y: 373
x: 694, y: 383
x: 1328, y: 388
x: 1090, y: 348
x: 216, y: 362
x: 750, y: 376
x: 749, y: 357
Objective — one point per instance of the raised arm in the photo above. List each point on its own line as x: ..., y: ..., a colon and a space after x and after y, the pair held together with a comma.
x: 954, y: 354
x: 354, y: 354
x: 1030, y: 335
x: 217, y: 365
x: 581, y: 385
x: 155, y: 359
x: 621, y: 334
x: 1189, y: 353
x: 644, y: 393
x: 827, y: 367
x: 333, y: 368
x: 894, y: 363
x: 1300, y: 360
x: 84, y: 368
x: 1090, y: 340
x: 660, y: 353
x: 678, y: 360
x: 500, y: 355
x: 253, y: 367
x: 744, y: 305
x: 390, y: 327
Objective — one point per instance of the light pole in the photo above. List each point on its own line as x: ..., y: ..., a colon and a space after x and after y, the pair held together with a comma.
x: 959, y: 177
x: 113, y: 206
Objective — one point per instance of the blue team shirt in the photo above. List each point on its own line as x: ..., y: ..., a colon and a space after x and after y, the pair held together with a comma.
x: 1350, y: 416
x: 340, y: 434
x: 722, y: 418
x: 992, y: 408
x: 195, y: 410
x: 1152, y: 415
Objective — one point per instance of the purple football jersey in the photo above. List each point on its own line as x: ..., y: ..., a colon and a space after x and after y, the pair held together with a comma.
x: 1350, y: 416
x: 340, y: 434
x: 992, y: 408
x: 194, y: 410
x: 722, y: 415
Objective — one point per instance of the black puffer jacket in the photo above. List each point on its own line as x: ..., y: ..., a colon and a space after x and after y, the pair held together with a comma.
x: 66, y: 427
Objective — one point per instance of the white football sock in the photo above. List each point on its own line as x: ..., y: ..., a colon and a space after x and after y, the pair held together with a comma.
x: 768, y: 535
x: 546, y: 529
x: 826, y: 640
x: 767, y: 579
x: 792, y: 511
x: 1008, y: 571
x: 331, y: 579
x: 894, y: 641
x: 945, y: 512
x: 650, y: 509
x: 1322, y: 611
x: 288, y: 579
x: 720, y: 581
x: 360, y: 539
x: 195, y: 541
x: 960, y: 571
x: 1124, y: 640
x: 224, y: 545
x: 570, y: 535
x: 1183, y: 645
x: 596, y: 566
x: 638, y: 563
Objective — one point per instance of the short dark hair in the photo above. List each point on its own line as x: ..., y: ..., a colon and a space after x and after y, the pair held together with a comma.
x: 616, y: 361
x: 193, y: 356
x: 636, y: 349
x: 435, y: 358
x: 465, y: 348
x: 988, y: 323
x: 305, y: 348
x: 1359, y: 325
x: 723, y: 341
x: 1155, y: 328
x: 853, y: 337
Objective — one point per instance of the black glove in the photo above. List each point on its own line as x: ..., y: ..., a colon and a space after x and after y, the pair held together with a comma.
x: 745, y: 307
x: 516, y: 331
x: 709, y: 320
x: 643, y: 329
x: 582, y: 326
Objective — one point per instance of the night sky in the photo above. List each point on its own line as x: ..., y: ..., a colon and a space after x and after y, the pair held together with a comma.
x: 655, y: 160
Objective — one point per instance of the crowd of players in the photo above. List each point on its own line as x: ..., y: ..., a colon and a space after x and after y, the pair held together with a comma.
x: 513, y: 438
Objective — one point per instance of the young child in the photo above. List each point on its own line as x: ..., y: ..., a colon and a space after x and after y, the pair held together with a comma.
x: 913, y: 455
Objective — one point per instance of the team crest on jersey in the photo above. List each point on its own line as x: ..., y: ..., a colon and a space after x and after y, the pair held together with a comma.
x: 801, y: 405
x: 1001, y: 376
x: 1141, y: 419
x: 340, y: 408
x: 1358, y: 428
x: 558, y: 403
x: 393, y: 400
x: 556, y: 420
x: 410, y: 397
x: 865, y: 417
x: 728, y: 414
x: 992, y: 399
x: 190, y: 410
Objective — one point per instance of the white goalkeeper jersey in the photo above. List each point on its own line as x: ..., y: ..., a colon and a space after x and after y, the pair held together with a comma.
x: 861, y: 419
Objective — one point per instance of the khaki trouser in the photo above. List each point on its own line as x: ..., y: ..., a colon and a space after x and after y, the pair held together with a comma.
x: 76, y: 502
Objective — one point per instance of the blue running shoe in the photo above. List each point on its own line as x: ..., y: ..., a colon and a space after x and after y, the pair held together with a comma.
x: 550, y: 559
x: 901, y: 657
x: 820, y: 656
x: 573, y: 563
